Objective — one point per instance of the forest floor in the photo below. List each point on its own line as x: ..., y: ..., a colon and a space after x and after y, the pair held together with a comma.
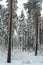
x: 19, y: 57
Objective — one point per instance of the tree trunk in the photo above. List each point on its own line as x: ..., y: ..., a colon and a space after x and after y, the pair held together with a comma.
x: 37, y: 21
x: 23, y: 39
x: 10, y: 28
x: 28, y: 38
x: 36, y: 37
x: 40, y: 34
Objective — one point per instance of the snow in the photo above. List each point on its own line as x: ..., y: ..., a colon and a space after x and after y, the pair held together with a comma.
x: 19, y: 57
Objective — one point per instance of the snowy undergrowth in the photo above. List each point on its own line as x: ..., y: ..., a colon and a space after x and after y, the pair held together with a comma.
x: 19, y: 57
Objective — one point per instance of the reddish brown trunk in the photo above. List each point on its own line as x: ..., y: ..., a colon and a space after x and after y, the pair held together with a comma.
x: 10, y: 28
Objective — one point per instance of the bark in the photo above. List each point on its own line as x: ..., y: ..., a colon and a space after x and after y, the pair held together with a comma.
x: 40, y: 34
x: 10, y: 28
x: 28, y: 37
x: 37, y: 21
x: 36, y: 37
x: 23, y: 38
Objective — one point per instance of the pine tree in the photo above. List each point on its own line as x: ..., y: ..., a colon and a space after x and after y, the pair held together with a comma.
x: 13, y: 8
x: 34, y: 7
x: 10, y: 28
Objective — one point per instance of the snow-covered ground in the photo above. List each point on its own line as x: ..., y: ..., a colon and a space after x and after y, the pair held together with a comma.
x: 19, y: 57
